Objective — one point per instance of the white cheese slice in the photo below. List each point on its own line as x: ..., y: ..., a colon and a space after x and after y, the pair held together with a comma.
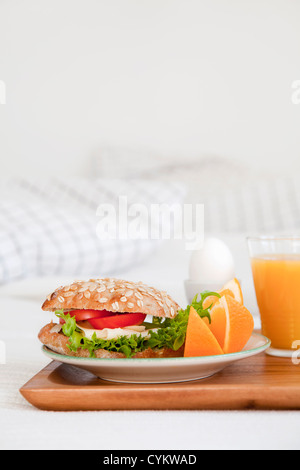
x: 113, y: 333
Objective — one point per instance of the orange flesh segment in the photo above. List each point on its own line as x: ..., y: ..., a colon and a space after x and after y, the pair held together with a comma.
x: 239, y: 325
x: 232, y: 288
x: 199, y: 341
x: 218, y: 323
x: 213, y: 299
x: 235, y: 287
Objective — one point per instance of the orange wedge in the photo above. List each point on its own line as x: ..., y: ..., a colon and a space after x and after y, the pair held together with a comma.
x: 239, y: 324
x: 232, y: 288
x: 218, y: 323
x: 231, y: 324
x: 199, y: 340
x: 235, y: 287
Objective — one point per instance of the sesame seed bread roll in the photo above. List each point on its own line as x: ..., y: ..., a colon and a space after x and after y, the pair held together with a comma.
x: 114, y: 295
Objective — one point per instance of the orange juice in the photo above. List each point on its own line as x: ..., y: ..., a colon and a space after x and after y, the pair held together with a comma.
x: 277, y: 286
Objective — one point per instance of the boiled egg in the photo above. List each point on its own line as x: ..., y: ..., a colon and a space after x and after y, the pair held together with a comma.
x: 212, y: 264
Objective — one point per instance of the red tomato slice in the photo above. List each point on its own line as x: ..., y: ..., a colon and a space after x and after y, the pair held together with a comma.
x: 117, y: 321
x: 81, y: 315
x: 87, y: 314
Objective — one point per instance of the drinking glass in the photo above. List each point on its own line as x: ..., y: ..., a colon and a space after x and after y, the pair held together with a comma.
x: 275, y: 263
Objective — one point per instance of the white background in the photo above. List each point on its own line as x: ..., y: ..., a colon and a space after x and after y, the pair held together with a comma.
x: 179, y: 76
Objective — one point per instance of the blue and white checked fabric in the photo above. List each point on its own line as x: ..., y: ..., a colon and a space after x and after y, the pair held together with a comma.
x: 50, y: 227
x: 263, y: 206
x: 237, y: 198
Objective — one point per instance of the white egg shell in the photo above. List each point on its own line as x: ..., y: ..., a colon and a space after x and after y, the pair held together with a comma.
x: 213, y: 263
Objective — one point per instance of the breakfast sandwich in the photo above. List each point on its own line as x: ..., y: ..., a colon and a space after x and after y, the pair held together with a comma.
x: 113, y: 318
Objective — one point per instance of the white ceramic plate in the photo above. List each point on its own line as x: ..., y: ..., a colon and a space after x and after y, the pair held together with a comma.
x: 162, y: 370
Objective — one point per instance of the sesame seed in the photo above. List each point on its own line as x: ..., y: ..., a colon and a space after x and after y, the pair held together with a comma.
x: 128, y: 285
x: 68, y: 294
x: 83, y: 289
x: 92, y: 287
x: 142, y: 289
x: 101, y: 289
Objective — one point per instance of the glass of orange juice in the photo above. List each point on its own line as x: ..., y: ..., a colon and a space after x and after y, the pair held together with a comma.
x: 276, y: 273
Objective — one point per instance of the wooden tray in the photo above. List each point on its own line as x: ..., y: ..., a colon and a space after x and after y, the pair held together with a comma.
x: 259, y: 382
